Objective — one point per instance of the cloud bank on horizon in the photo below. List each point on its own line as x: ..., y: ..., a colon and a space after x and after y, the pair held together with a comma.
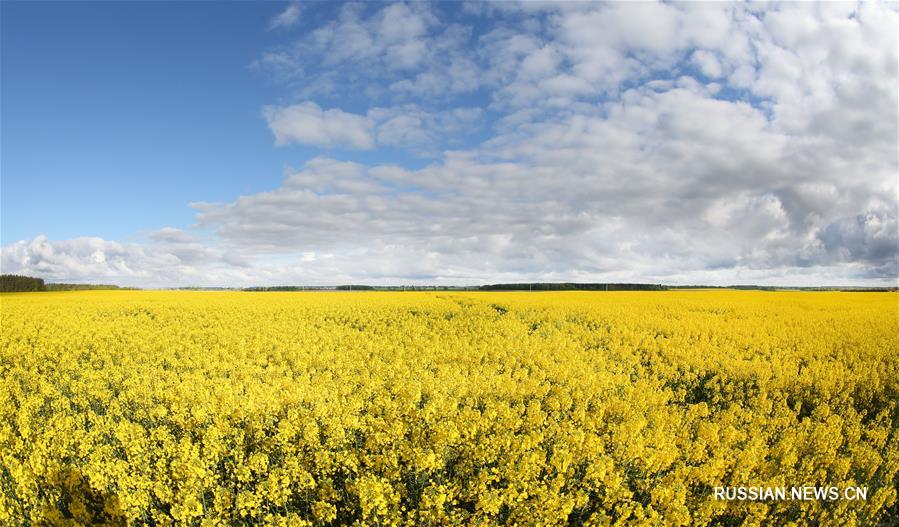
x: 705, y: 143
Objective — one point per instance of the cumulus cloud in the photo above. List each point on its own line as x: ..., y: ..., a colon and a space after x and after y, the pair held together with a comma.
x: 309, y: 124
x: 404, y: 47
x: 169, y: 258
x: 725, y: 143
x: 707, y: 63
x: 407, y: 126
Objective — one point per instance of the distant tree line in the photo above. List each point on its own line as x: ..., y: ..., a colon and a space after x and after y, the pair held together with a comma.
x: 10, y: 283
x: 84, y: 287
x: 277, y: 288
x: 737, y: 287
x: 570, y: 286
x: 542, y: 286
x: 846, y: 289
x: 492, y: 287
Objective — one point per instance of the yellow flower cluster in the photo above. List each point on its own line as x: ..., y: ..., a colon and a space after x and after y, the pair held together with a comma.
x: 406, y: 409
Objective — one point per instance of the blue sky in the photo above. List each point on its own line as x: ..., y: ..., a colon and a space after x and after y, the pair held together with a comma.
x: 115, y: 115
x: 244, y: 143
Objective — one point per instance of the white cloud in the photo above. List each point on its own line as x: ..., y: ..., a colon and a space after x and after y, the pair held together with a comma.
x: 407, y: 126
x: 401, y: 44
x: 309, y: 124
x: 170, y: 235
x: 412, y: 128
x: 287, y: 18
x: 640, y: 183
x: 707, y: 63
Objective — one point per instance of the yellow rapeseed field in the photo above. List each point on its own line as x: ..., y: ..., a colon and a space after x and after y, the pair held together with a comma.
x: 406, y: 409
